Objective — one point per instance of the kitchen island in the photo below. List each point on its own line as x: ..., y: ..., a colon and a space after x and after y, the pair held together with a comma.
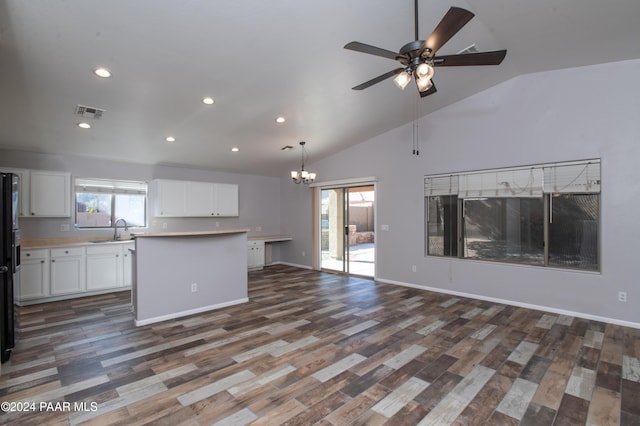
x: 184, y: 273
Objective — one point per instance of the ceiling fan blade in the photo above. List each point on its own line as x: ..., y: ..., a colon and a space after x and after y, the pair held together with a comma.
x: 429, y: 91
x: 378, y: 79
x: 371, y: 50
x: 479, y: 58
x: 451, y: 23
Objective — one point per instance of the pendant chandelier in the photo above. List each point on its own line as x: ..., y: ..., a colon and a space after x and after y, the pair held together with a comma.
x: 302, y: 176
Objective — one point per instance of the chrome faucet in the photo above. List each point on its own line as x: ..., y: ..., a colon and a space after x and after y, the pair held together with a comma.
x: 115, y: 228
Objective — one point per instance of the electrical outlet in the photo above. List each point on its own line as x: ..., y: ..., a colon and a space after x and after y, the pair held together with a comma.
x: 622, y: 296
x: 217, y: 224
x: 413, y: 268
x: 65, y: 227
x: 194, y: 287
x: 258, y: 228
x: 304, y: 254
x: 164, y: 225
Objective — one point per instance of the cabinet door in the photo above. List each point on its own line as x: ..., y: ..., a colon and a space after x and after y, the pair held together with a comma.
x: 255, y: 255
x: 67, y: 273
x: 104, y: 270
x: 50, y: 194
x: 226, y: 199
x: 170, y: 198
x: 200, y: 199
x: 34, y: 274
x: 127, y: 265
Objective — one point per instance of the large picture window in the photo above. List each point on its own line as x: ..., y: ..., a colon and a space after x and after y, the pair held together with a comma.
x: 545, y: 215
x: 99, y: 203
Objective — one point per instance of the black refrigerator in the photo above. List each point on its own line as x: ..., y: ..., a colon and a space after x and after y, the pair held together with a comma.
x: 9, y: 258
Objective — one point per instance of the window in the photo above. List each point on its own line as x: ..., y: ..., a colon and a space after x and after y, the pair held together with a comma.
x: 100, y: 202
x: 545, y: 215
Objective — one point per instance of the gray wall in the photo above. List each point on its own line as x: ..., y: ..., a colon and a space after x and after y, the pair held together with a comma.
x: 259, y: 196
x: 589, y: 112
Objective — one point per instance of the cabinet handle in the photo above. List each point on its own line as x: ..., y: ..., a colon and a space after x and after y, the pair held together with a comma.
x: 117, y: 255
x: 53, y: 260
x: 42, y: 261
x: 28, y: 254
x: 66, y: 252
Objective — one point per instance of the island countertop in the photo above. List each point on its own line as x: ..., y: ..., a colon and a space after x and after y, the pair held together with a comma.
x: 191, y: 233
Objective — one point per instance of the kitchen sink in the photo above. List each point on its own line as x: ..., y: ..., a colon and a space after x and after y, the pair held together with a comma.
x: 110, y: 241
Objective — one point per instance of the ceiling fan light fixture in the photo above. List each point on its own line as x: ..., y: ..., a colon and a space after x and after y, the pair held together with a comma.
x: 424, y: 70
x: 402, y: 79
x: 423, y: 83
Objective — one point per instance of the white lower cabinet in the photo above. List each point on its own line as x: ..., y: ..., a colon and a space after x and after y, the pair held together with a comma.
x: 34, y: 274
x: 104, y: 267
x: 67, y: 270
x: 255, y: 254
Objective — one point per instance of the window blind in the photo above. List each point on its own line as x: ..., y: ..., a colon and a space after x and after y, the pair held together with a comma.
x: 521, y: 182
x: 110, y: 186
x: 573, y: 178
x: 441, y: 185
x: 502, y: 183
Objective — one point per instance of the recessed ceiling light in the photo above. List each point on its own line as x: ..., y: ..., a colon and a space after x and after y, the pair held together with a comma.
x: 84, y: 125
x: 235, y: 149
x: 170, y: 139
x: 102, y: 72
x: 280, y: 120
x: 208, y: 101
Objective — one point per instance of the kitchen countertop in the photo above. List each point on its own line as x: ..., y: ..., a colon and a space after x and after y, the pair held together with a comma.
x: 190, y: 233
x: 270, y: 238
x: 46, y: 243
x: 66, y: 242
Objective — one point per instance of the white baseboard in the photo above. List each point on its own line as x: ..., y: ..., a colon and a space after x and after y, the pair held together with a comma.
x: 514, y: 303
x: 295, y: 265
x: 189, y: 312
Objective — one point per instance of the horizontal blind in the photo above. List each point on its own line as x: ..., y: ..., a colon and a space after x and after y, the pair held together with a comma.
x: 573, y: 178
x: 441, y: 185
x: 502, y: 183
x: 110, y: 186
x: 522, y: 182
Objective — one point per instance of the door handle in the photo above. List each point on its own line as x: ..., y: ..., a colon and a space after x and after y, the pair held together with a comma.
x: 4, y: 269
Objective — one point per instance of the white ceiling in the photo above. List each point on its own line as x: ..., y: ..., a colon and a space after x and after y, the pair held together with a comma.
x: 261, y: 59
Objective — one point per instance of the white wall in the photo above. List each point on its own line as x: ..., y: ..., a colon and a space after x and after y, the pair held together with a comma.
x: 572, y: 114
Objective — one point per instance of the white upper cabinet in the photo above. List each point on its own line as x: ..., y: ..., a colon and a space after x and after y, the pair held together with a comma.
x: 169, y: 198
x: 49, y: 194
x: 175, y: 198
x: 226, y: 199
x: 201, y: 199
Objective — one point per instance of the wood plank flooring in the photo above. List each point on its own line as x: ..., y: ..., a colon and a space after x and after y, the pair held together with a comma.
x: 317, y: 348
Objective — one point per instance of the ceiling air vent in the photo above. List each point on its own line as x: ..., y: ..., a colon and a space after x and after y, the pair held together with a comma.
x: 89, y: 112
x: 469, y: 49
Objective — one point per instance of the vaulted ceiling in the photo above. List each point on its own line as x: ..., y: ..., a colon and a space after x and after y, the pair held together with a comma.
x: 260, y: 60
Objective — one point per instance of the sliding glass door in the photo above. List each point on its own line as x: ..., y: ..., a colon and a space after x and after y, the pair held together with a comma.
x: 347, y: 233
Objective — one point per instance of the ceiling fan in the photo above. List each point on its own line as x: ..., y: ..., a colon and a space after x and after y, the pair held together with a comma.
x: 418, y: 57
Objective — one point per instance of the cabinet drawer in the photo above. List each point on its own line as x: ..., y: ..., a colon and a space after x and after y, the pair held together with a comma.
x: 104, y: 249
x: 62, y: 252
x: 33, y: 254
x: 255, y: 243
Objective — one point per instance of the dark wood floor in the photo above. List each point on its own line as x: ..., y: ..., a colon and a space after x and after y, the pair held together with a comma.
x: 317, y: 348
